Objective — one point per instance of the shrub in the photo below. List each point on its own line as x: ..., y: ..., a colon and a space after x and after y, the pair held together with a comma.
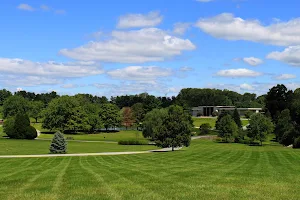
x: 58, y: 144
x: 199, y: 114
x: 205, y: 128
x: 9, y: 127
x: 296, y: 144
x: 248, y: 114
x: 31, y: 133
x: 133, y: 142
x: 214, y: 114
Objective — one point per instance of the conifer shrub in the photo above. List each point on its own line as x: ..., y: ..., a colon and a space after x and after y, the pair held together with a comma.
x: 58, y: 144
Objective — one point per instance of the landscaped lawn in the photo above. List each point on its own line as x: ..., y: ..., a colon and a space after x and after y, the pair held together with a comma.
x: 212, y: 121
x: 206, y: 170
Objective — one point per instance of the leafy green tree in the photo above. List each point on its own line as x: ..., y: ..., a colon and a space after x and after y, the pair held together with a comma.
x: 237, y: 119
x: 14, y: 105
x: 220, y: 116
x: 58, y: 144
x: 283, y: 124
x: 93, y: 111
x: 227, y: 128
x: 36, y: 108
x: 110, y: 115
x: 138, y: 112
x: 78, y: 120
x: 153, y: 121
x: 260, y: 126
x: 4, y: 94
x: 175, y: 131
x: 59, y: 113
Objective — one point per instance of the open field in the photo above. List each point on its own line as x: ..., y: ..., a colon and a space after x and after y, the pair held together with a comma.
x: 212, y: 121
x: 206, y: 170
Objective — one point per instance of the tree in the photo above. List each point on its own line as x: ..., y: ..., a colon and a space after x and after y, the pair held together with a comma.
x: 153, y: 121
x: 138, y: 112
x: 259, y: 127
x: 248, y: 114
x: 127, y: 117
x: 220, y: 116
x: 4, y: 94
x: 58, y: 144
x: 14, y: 105
x: 110, y: 115
x: 237, y: 119
x: 175, y: 131
x: 205, y: 128
x: 93, y: 111
x: 21, y: 123
x: 283, y: 124
x: 59, y: 113
x: 36, y: 108
x: 227, y: 128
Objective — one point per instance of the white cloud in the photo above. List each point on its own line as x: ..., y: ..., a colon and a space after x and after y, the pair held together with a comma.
x: 25, y: 80
x: 69, y: 86
x: 135, y: 46
x: 246, y: 86
x: 26, y: 7
x: 186, y: 69
x: 252, y: 61
x: 45, y: 7
x: 139, y: 73
x: 181, y: 28
x: 227, y: 26
x: 236, y: 73
x: 140, y: 20
x: 285, y: 77
x: 290, y: 55
x: 54, y: 69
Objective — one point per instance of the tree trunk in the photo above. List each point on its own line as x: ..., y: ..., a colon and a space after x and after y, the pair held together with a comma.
x: 36, y: 120
x: 172, y: 148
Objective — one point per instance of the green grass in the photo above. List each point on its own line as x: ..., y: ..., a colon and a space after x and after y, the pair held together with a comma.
x: 212, y: 121
x: 206, y: 170
x: 26, y: 147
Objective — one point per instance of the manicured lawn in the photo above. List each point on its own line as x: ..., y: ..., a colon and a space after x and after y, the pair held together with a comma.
x: 25, y: 147
x: 212, y: 121
x: 206, y: 170
x: 122, y: 135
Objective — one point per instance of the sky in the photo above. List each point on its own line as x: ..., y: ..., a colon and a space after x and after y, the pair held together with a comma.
x: 118, y: 47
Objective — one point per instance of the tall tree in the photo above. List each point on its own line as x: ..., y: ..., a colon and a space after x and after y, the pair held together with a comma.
x: 227, y: 128
x: 127, y: 117
x: 14, y: 105
x: 283, y: 124
x: 110, y: 115
x: 4, y: 94
x: 236, y: 117
x: 153, y: 121
x: 36, y: 108
x: 260, y: 126
x: 138, y: 112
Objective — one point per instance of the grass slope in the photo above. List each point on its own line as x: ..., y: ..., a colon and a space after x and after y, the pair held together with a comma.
x: 206, y: 170
x: 212, y: 121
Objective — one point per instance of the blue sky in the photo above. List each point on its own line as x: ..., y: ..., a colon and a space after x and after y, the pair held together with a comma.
x: 127, y: 47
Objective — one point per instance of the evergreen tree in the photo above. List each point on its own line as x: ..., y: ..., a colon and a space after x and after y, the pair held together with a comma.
x: 227, y: 128
x: 58, y: 144
x: 237, y: 119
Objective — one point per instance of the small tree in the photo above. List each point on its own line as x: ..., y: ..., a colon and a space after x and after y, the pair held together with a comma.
x: 58, y: 144
x: 205, y: 128
x: 227, y: 128
x: 127, y: 117
x: 36, y: 108
x: 260, y: 126
x: 220, y: 116
x: 237, y: 119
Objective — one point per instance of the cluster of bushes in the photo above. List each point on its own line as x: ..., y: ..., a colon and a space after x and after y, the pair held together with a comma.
x: 205, y: 128
x: 133, y: 142
x: 18, y: 127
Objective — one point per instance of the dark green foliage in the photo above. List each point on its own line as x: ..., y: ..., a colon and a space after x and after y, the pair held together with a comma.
x: 296, y: 143
x: 248, y: 114
x: 36, y: 108
x: 214, y: 114
x: 221, y: 115
x: 205, y: 128
x: 14, y: 105
x: 58, y: 144
x: 153, y: 120
x: 138, y: 112
x: 284, y: 123
x: 239, y: 137
x: 18, y: 127
x: 4, y: 94
x: 110, y: 115
x: 260, y: 126
x: 31, y: 133
x: 133, y: 142
x: 237, y: 119
x: 227, y: 128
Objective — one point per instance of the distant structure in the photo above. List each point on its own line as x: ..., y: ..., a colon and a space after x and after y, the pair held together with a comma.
x: 208, y: 110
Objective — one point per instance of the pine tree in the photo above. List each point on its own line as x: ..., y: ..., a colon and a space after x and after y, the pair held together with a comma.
x: 58, y: 144
x: 237, y: 119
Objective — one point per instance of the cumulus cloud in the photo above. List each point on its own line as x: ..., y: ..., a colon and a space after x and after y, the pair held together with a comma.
x: 246, y: 86
x: 285, y: 77
x: 139, y: 73
x: 290, y: 55
x: 140, y: 20
x: 181, y: 28
x: 238, y: 73
x: 135, y: 46
x: 252, y: 61
x: 25, y: 7
x: 25, y: 80
x: 229, y: 27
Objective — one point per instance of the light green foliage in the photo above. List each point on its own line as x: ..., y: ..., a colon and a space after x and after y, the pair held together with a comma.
x: 260, y: 126
x: 36, y: 108
x: 110, y: 115
x: 15, y: 104
x: 227, y: 128
x: 58, y: 144
x: 138, y: 112
x: 153, y: 121
x: 93, y: 111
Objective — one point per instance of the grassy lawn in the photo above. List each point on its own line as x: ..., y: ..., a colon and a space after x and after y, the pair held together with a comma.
x: 212, y: 121
x: 25, y: 147
x: 206, y: 170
